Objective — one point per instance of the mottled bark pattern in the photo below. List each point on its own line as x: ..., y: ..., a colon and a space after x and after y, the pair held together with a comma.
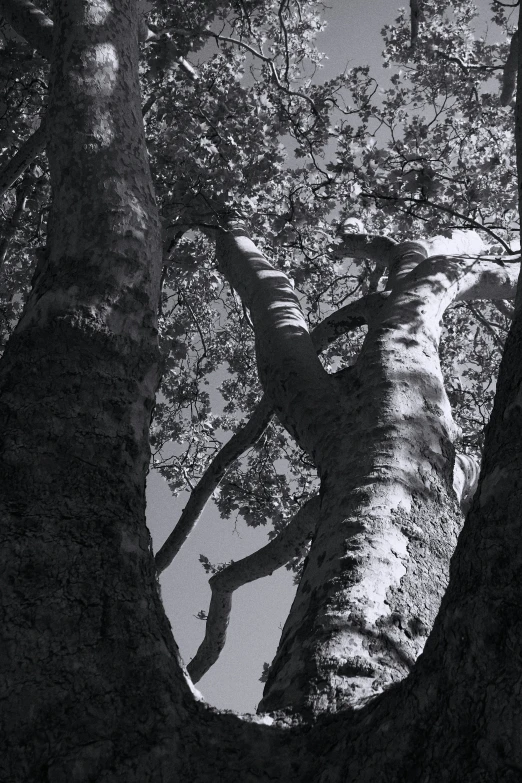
x: 378, y: 564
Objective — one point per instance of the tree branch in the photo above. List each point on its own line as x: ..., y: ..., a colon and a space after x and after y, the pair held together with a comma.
x: 29, y: 150
x: 245, y: 437
x: 371, y: 246
x: 31, y: 23
x: 487, y: 279
x: 264, y: 562
x: 509, y: 76
x: 415, y: 16
x: 343, y: 320
x: 288, y: 367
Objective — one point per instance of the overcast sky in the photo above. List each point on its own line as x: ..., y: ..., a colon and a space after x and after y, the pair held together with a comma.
x: 260, y: 608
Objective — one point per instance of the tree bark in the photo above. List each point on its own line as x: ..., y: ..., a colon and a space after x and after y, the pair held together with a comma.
x: 86, y: 665
x: 91, y: 684
x: 381, y: 438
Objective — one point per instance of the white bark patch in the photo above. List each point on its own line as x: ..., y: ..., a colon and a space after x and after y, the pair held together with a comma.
x: 97, y: 75
x: 460, y: 243
x: 465, y: 477
x: 103, y: 129
x: 389, y: 553
x: 97, y: 13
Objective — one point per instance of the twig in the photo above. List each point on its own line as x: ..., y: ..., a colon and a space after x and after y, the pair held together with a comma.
x: 485, y: 323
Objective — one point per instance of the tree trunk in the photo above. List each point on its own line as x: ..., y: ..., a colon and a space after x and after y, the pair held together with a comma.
x: 86, y: 664
x: 381, y: 436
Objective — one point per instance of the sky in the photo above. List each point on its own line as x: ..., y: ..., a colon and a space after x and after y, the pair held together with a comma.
x: 259, y: 609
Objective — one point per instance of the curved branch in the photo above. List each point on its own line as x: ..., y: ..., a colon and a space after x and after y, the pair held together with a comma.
x: 343, y: 320
x: 275, y: 554
x: 487, y: 278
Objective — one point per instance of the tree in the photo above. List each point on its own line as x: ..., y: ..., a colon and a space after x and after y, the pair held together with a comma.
x: 92, y: 684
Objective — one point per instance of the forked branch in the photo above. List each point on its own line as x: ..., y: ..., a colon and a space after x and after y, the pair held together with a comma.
x: 342, y: 321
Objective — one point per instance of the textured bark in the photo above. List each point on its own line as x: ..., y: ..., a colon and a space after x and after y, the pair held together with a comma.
x: 87, y: 653
x: 381, y: 437
x: 90, y: 680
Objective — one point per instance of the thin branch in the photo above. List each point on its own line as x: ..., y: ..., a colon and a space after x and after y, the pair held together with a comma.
x: 453, y: 212
x: 347, y: 318
x: 255, y: 53
x: 245, y: 437
x: 289, y: 543
x: 485, y: 323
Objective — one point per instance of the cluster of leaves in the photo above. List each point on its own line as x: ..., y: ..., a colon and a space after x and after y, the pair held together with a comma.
x: 432, y: 151
x: 253, y: 130
x: 23, y: 213
x: 437, y: 149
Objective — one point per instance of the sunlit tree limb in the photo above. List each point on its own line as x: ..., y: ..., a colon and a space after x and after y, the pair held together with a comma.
x: 343, y: 320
